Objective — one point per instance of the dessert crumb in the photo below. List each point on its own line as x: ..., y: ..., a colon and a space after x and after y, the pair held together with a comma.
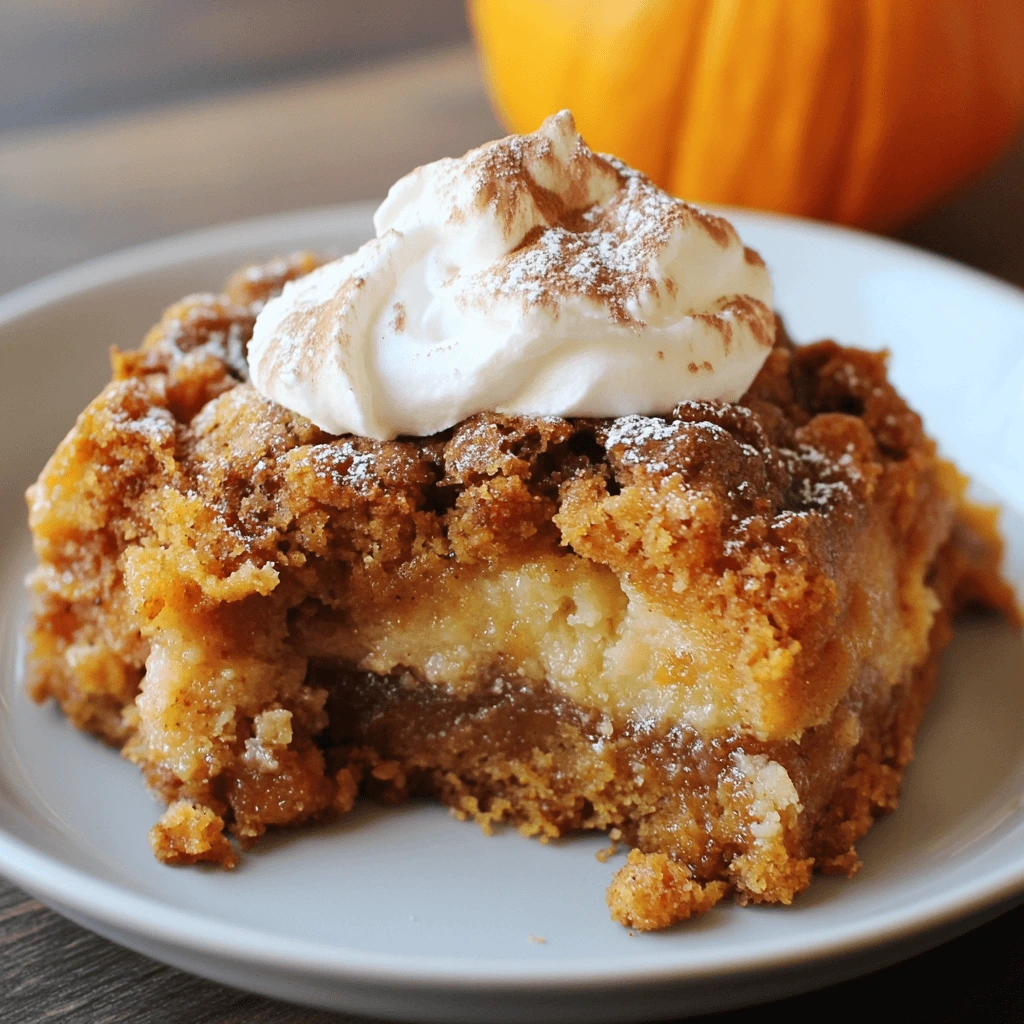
x: 538, y: 939
x: 652, y: 891
x: 607, y: 852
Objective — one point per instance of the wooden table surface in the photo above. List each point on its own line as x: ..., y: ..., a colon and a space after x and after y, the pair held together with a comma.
x: 70, y: 193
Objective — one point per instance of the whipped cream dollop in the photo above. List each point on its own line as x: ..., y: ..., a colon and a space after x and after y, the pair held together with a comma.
x: 530, y: 276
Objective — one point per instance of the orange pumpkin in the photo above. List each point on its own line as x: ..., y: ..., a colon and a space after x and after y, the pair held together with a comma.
x: 860, y: 111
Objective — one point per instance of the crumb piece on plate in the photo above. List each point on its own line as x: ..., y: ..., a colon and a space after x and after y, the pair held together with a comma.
x: 652, y: 891
x: 189, y: 833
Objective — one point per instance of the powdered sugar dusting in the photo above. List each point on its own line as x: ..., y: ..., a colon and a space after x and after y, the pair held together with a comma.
x: 345, y: 466
x: 634, y: 430
x: 608, y: 253
x: 823, y: 479
x: 633, y: 433
x: 227, y: 344
x: 156, y: 426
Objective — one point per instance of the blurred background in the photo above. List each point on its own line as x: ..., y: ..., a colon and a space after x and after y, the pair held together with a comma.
x: 61, y: 61
x: 125, y: 120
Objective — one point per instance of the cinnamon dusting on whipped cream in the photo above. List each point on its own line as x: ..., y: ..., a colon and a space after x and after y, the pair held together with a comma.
x: 530, y: 276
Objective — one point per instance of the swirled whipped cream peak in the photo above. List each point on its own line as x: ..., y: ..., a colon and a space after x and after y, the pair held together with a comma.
x: 530, y: 276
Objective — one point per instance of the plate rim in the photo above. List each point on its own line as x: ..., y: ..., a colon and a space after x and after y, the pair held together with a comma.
x: 173, y: 249
x: 147, y: 916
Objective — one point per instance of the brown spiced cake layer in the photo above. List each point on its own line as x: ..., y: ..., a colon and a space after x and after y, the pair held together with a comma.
x: 711, y: 634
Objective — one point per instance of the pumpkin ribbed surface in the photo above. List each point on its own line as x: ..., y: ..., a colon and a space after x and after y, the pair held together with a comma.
x: 858, y: 111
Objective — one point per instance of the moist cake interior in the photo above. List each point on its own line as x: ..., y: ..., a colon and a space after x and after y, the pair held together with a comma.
x: 712, y: 635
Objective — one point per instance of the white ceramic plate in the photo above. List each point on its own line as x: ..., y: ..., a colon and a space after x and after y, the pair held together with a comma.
x: 407, y: 913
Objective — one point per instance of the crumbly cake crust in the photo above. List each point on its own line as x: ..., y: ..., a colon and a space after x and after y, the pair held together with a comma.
x: 715, y: 631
